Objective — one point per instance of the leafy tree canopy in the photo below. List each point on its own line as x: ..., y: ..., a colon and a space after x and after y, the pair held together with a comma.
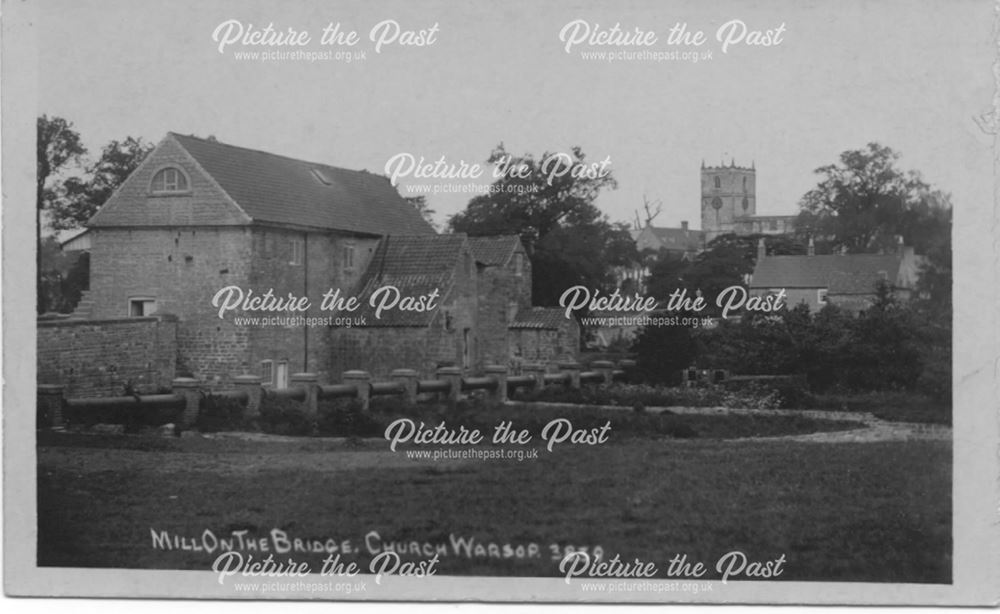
x: 78, y: 197
x: 567, y: 237
x: 862, y: 203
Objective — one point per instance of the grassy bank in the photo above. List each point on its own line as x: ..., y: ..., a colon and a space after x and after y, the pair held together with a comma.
x: 861, y: 512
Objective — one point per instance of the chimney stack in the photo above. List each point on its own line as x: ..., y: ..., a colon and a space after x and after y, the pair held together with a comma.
x: 684, y: 225
x: 812, y: 247
x: 761, y: 249
x: 900, y: 246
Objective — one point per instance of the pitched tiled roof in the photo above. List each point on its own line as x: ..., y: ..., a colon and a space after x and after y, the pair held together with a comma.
x: 680, y: 238
x: 543, y: 318
x: 416, y: 265
x: 273, y: 188
x: 840, y: 274
x: 494, y: 251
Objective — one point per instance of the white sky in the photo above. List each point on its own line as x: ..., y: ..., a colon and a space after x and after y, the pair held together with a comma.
x: 846, y: 73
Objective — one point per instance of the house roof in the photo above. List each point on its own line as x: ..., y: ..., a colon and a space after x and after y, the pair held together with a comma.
x: 679, y: 238
x: 839, y: 274
x: 80, y: 240
x: 278, y: 189
x: 541, y: 318
x: 416, y: 265
x: 494, y: 251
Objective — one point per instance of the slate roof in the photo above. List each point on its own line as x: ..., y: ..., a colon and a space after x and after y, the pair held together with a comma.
x: 679, y: 238
x: 494, y: 251
x: 273, y: 188
x: 416, y: 265
x: 540, y: 318
x: 840, y: 274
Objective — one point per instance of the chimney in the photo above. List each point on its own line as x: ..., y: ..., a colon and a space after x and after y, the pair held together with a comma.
x: 761, y: 249
x: 684, y: 225
x: 900, y: 246
x: 812, y: 247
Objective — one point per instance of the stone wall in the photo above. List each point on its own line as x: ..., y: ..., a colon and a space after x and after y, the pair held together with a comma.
x: 546, y: 345
x: 502, y: 293
x: 181, y: 269
x: 100, y: 357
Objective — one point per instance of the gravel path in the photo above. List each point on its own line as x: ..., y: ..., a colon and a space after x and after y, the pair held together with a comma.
x: 870, y: 429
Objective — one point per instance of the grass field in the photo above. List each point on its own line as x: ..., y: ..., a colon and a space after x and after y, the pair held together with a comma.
x: 861, y: 512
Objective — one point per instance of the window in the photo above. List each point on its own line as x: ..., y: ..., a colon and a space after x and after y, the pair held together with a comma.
x: 169, y: 181
x: 298, y: 247
x: 744, y: 184
x: 141, y: 306
x: 349, y: 256
x: 746, y: 202
x: 774, y: 224
x: 821, y: 296
x: 267, y: 372
x: 519, y: 264
x: 320, y: 177
x: 718, y: 182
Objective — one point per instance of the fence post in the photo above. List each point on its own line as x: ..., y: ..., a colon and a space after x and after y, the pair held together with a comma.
x: 362, y: 380
x: 50, y: 399
x: 452, y: 375
x: 408, y: 379
x: 537, y: 372
x: 251, y: 385
x: 499, y: 373
x: 309, y: 383
x: 573, y: 370
x: 605, y: 368
x: 187, y: 387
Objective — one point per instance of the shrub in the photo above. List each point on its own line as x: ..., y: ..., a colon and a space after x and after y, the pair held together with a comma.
x: 281, y: 416
x: 344, y: 417
x: 221, y: 414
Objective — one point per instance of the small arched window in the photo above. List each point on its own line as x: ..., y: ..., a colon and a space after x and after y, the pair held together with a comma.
x: 744, y: 183
x: 718, y: 182
x: 169, y: 180
x: 746, y: 203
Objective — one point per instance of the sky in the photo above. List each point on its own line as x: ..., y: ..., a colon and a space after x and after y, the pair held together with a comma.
x: 842, y: 75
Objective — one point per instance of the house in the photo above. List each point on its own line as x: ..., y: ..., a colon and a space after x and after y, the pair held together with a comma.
x: 544, y: 334
x: 848, y: 281
x: 198, y: 217
x: 682, y: 242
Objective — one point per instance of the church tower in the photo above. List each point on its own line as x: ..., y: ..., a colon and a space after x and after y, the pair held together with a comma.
x: 728, y: 193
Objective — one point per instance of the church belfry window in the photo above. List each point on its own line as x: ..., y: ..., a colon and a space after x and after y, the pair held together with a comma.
x: 718, y: 182
x: 169, y: 180
x: 746, y: 203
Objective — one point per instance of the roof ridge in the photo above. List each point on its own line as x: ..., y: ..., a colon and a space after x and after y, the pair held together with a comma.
x: 213, y: 141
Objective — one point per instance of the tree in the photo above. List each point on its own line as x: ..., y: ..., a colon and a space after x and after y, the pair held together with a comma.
x: 79, y: 197
x: 567, y: 237
x: 865, y: 201
x: 57, y: 145
x: 725, y: 262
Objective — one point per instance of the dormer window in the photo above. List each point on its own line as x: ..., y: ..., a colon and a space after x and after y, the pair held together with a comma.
x: 169, y: 181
